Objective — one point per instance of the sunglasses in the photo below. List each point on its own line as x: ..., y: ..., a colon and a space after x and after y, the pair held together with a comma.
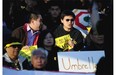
x: 69, y: 20
x: 15, y: 46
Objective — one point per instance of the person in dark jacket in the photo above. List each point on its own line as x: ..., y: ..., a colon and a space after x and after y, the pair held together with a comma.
x: 11, y: 58
x: 29, y: 33
x: 95, y: 39
x: 67, y: 20
x: 52, y: 19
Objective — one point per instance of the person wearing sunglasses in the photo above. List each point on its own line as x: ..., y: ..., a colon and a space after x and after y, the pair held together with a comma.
x: 67, y: 20
x: 11, y: 58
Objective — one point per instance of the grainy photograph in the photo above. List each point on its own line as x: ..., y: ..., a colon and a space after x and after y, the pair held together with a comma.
x: 57, y: 37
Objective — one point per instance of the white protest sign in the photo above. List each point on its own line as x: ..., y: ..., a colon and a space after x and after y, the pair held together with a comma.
x: 82, y: 61
x: 33, y: 72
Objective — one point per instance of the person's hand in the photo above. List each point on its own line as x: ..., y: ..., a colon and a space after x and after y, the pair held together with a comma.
x: 25, y: 48
x: 71, y: 43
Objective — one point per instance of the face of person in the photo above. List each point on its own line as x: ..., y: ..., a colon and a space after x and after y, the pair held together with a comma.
x: 54, y: 11
x: 49, y: 40
x: 99, y: 39
x: 13, y: 51
x: 38, y: 61
x: 36, y: 24
x: 68, y: 22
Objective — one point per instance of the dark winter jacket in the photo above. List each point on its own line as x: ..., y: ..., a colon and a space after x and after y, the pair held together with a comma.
x: 74, y: 34
x: 20, y: 65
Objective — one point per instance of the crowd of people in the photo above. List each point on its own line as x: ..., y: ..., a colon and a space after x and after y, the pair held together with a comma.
x: 39, y: 22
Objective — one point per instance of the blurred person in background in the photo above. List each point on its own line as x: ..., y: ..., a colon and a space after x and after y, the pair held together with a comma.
x: 52, y: 19
x: 95, y: 39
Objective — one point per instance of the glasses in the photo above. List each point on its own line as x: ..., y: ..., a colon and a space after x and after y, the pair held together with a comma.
x: 15, y: 46
x: 69, y: 20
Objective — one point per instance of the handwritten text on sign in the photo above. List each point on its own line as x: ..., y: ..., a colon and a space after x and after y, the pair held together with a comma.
x: 84, y: 61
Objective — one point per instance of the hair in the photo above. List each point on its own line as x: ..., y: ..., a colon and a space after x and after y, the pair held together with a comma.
x: 99, y: 27
x: 67, y: 13
x: 54, y: 3
x: 34, y: 15
x: 40, y: 50
x: 42, y: 36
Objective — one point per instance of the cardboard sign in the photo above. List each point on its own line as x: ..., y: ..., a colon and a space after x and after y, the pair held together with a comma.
x: 33, y: 72
x: 83, y: 61
x: 27, y: 53
x: 62, y: 42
